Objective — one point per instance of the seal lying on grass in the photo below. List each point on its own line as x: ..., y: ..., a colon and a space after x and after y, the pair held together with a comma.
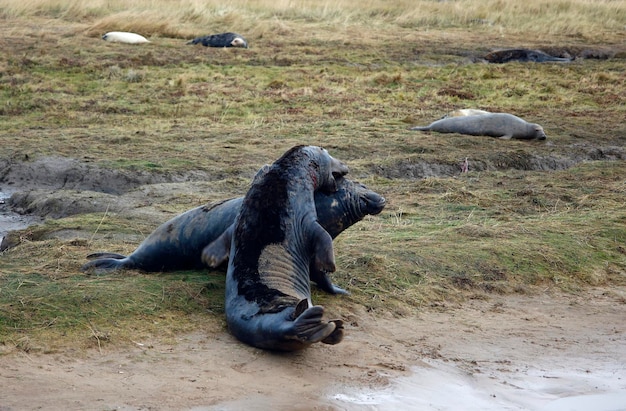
x: 221, y: 40
x: 178, y: 243
x: 502, y: 125
x: 124, y: 37
x: 523, y: 56
x: 275, y: 241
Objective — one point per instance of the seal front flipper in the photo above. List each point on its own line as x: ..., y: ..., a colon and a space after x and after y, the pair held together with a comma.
x: 217, y: 252
x: 324, y: 256
x: 324, y: 283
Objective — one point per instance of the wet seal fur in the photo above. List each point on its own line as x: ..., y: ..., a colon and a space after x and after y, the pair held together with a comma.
x: 275, y: 240
x: 501, y: 125
x: 221, y: 40
x: 124, y: 37
x: 523, y: 56
x: 203, y: 234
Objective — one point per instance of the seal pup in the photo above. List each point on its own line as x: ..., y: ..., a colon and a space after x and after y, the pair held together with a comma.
x: 124, y: 37
x: 335, y: 212
x: 178, y: 243
x: 221, y: 40
x: 523, y: 56
x: 275, y: 240
x: 501, y: 125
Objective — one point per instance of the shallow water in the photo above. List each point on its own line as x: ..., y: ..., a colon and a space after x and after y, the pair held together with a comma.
x: 444, y: 386
x: 10, y: 220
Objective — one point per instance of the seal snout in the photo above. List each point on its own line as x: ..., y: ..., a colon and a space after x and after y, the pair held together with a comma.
x: 540, y: 134
x: 371, y: 202
x: 375, y: 203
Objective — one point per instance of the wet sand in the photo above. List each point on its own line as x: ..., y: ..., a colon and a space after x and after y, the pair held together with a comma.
x: 550, y: 352
x: 10, y: 220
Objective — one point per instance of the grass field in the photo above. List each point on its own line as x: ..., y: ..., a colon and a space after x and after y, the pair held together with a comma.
x: 352, y: 77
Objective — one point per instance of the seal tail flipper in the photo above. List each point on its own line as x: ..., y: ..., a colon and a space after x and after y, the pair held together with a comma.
x: 420, y: 128
x: 94, y: 256
x: 104, y: 265
x: 336, y: 336
x: 309, y: 326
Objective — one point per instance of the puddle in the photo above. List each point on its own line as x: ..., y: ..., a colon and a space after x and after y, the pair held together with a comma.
x: 444, y: 386
x: 9, y: 220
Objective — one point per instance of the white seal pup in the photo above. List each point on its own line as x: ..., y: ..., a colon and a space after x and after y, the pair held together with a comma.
x: 124, y: 37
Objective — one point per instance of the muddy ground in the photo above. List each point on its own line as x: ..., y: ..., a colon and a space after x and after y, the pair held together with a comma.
x: 546, y: 351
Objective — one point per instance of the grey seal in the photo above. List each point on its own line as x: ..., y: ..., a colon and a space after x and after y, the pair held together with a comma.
x: 523, y: 56
x: 275, y: 241
x: 501, y: 125
x: 221, y: 40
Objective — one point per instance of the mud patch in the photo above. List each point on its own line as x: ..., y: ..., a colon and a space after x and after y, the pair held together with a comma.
x: 57, y: 187
x: 63, y: 203
x: 67, y: 173
x: 10, y: 220
x: 501, y: 160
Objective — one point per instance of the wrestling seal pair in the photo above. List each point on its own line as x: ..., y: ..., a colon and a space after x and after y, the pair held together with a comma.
x: 276, y: 246
x: 178, y: 244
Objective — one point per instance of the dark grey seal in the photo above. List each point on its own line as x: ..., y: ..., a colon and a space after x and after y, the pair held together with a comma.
x: 523, y: 56
x: 275, y: 241
x: 221, y: 40
x: 501, y: 125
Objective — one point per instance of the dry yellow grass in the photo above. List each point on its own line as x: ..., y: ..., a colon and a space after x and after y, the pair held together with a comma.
x: 592, y: 20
